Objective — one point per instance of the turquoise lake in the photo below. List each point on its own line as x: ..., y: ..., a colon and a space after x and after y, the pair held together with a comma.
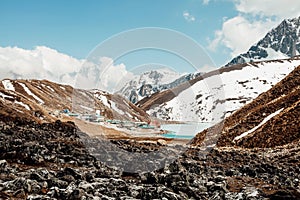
x: 184, y: 131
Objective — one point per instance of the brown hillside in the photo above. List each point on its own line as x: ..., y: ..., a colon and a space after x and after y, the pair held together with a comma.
x: 40, y: 99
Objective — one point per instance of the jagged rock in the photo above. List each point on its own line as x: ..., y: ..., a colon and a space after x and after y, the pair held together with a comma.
x: 87, y: 187
x: 37, y: 197
x: 171, y: 195
x: 76, y: 194
x: 284, y: 40
x: 3, y: 164
x: 161, y: 142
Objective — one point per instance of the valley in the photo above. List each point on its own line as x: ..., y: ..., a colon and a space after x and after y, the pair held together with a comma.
x: 242, y: 157
x: 231, y: 133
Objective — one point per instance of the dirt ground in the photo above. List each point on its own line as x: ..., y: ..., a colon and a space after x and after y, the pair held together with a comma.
x: 112, y: 134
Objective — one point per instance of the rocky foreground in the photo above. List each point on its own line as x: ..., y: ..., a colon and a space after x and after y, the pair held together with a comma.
x: 50, y: 161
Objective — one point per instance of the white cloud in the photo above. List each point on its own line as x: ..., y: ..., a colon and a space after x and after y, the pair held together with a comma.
x: 113, y: 77
x: 205, y: 2
x: 188, y: 17
x: 213, y: 44
x: 255, y: 18
x: 279, y: 8
x: 39, y: 63
x: 238, y: 34
x: 45, y: 63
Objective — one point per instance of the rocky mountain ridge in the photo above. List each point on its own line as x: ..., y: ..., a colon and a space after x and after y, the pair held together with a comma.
x: 281, y: 42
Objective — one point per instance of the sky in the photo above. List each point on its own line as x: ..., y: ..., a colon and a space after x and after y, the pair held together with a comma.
x: 222, y: 28
x: 77, y: 27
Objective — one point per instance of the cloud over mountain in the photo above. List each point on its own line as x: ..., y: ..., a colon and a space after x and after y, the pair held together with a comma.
x: 254, y: 19
x: 46, y: 63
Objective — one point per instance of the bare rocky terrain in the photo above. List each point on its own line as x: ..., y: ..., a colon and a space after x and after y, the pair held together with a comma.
x: 50, y: 161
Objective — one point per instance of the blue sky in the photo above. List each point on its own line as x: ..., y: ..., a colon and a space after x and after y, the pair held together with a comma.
x: 76, y: 27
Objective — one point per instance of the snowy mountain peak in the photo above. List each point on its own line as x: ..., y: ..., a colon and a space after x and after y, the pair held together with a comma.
x: 147, y: 83
x: 280, y: 43
x: 160, y: 76
x: 153, y: 81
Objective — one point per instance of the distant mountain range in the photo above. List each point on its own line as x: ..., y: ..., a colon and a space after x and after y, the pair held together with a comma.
x: 281, y: 42
x: 153, y: 81
x: 167, y: 94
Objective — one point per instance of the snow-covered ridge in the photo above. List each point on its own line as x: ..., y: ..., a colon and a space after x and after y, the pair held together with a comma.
x: 6, y: 96
x: 270, y: 120
x: 215, y: 97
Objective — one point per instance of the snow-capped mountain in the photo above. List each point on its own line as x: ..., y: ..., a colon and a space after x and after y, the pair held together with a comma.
x: 270, y: 120
x: 217, y: 94
x: 281, y: 42
x: 153, y: 81
x: 38, y: 98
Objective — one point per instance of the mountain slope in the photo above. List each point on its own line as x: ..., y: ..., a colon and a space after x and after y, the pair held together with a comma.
x: 281, y: 42
x: 271, y: 120
x: 40, y: 99
x: 214, y: 95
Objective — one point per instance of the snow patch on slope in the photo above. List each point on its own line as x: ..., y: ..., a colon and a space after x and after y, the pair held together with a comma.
x: 23, y: 104
x: 115, y: 108
x: 50, y: 88
x: 31, y: 94
x: 8, y: 85
x: 87, y: 108
x: 5, y: 96
x: 104, y: 100
x: 258, y: 126
x: 272, y: 54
